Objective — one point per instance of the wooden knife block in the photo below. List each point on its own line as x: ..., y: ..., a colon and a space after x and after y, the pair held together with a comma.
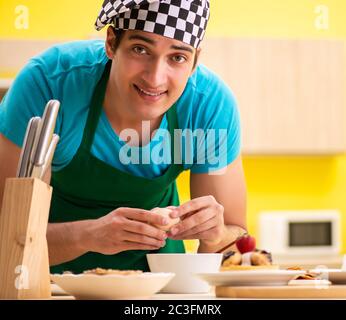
x: 24, y: 263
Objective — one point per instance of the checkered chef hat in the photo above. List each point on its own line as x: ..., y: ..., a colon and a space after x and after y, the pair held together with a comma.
x: 184, y: 20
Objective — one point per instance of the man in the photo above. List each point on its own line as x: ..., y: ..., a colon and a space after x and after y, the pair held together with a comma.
x: 115, y: 104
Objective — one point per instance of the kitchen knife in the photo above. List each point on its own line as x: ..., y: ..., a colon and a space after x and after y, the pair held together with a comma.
x: 24, y: 148
x: 49, y: 155
x: 27, y: 147
x: 45, y: 135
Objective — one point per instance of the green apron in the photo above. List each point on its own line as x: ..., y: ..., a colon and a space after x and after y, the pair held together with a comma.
x: 88, y: 188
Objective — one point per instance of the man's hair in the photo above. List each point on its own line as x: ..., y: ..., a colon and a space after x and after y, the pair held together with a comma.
x: 119, y: 34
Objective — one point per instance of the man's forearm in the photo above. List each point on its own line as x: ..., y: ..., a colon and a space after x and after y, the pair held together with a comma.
x: 230, y: 234
x: 66, y: 241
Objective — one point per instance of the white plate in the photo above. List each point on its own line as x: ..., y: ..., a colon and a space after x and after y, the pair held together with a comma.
x: 336, y: 276
x: 310, y: 283
x: 112, y: 286
x: 250, y: 277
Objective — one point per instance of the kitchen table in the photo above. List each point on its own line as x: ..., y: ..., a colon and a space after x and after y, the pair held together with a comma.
x: 58, y: 294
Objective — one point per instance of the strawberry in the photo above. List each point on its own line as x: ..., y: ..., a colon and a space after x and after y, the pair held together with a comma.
x: 246, y: 243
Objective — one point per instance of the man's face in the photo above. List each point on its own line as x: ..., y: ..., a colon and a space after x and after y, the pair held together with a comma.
x: 149, y: 72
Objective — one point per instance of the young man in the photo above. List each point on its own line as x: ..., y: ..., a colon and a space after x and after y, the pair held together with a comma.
x: 121, y: 107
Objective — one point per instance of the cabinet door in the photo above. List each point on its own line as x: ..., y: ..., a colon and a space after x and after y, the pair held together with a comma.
x: 290, y: 92
x: 4, y: 85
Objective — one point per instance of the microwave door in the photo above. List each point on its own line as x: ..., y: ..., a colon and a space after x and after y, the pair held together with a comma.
x: 310, y: 234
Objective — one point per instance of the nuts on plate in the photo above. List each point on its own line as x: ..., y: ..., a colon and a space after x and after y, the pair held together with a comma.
x: 100, y: 271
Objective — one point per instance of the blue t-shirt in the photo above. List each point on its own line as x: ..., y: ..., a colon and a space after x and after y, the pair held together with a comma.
x: 207, y: 114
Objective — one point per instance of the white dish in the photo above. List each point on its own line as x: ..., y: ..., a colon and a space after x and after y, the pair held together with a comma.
x: 112, y: 286
x: 185, y: 266
x: 57, y: 291
x: 310, y: 283
x: 336, y: 276
x: 250, y: 277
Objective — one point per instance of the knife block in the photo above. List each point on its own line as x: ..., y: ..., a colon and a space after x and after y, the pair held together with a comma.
x: 24, y: 263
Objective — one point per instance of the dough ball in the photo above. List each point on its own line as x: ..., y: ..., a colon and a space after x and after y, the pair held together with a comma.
x: 165, y: 212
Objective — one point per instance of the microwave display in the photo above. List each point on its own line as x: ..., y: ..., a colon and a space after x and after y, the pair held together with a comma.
x: 303, y: 234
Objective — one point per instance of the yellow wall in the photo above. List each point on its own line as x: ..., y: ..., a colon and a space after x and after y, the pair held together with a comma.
x: 289, y: 18
x: 273, y: 182
x: 63, y: 19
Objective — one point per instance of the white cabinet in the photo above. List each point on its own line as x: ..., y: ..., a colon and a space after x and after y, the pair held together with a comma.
x: 291, y: 93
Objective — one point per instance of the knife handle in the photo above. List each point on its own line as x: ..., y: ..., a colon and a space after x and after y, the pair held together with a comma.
x: 49, y: 155
x: 20, y: 169
x: 36, y: 172
x: 46, y: 132
x: 24, y: 160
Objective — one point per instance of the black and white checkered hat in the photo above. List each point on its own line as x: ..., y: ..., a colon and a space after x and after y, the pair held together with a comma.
x: 184, y: 20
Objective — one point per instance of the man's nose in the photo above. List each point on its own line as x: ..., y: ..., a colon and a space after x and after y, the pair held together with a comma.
x: 156, y: 73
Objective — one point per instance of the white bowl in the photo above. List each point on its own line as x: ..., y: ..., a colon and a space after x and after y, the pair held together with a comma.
x: 185, y: 266
x: 112, y: 286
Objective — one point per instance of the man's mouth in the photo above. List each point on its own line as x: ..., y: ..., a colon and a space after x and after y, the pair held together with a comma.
x: 150, y: 94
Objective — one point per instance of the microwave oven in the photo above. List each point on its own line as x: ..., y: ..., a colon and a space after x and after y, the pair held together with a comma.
x: 302, y: 233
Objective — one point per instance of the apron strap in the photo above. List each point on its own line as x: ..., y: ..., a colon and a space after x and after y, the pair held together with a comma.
x: 95, y: 112
x: 172, y: 120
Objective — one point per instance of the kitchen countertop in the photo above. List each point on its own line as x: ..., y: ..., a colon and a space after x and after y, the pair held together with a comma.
x: 58, y: 294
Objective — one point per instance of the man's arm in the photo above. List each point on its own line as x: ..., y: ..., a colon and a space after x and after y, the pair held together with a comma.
x: 9, y: 157
x: 60, y: 236
x: 122, y: 229
x: 229, y: 190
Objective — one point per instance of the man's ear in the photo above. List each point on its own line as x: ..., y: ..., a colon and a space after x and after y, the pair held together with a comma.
x: 198, y: 51
x: 110, y: 42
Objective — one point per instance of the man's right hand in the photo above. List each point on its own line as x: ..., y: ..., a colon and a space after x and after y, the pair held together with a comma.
x: 125, y: 229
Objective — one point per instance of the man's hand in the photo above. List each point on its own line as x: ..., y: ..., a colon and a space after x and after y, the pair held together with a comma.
x: 125, y: 229
x: 201, y: 218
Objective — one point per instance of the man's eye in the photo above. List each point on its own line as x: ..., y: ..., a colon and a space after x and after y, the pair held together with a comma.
x: 139, y: 50
x: 179, y: 59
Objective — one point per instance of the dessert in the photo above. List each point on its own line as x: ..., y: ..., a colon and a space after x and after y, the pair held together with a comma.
x: 294, y: 268
x: 245, y: 243
x: 307, y: 276
x: 165, y: 212
x: 231, y: 258
x: 257, y: 259
x: 309, y: 279
x: 248, y: 257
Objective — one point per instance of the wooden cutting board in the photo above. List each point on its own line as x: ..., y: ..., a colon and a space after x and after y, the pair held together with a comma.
x: 282, y: 292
